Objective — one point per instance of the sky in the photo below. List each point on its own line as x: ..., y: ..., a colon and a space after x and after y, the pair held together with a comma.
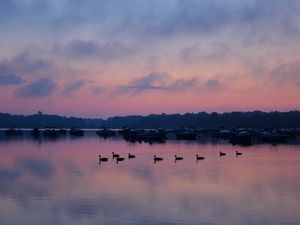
x: 102, y: 58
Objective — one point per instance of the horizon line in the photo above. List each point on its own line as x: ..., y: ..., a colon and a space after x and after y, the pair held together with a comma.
x: 145, y: 115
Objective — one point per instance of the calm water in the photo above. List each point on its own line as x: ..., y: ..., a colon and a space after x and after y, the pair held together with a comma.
x: 61, y: 182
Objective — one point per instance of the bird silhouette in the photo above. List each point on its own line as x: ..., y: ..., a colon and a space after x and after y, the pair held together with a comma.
x: 222, y: 153
x: 131, y: 156
x: 199, y: 157
x: 178, y: 157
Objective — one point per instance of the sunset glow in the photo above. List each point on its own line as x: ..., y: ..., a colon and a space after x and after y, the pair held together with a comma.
x: 113, y: 57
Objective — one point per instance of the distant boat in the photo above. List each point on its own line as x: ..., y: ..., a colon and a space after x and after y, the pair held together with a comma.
x: 105, y: 133
x: 272, y: 137
x: 35, y: 132
x: 186, y: 135
x: 62, y: 132
x: 76, y: 132
x: 242, y: 138
x: 149, y: 136
x: 51, y: 133
x: 13, y: 132
x: 223, y: 134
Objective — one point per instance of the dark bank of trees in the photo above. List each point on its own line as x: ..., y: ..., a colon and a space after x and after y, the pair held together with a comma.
x: 41, y: 120
x: 255, y: 119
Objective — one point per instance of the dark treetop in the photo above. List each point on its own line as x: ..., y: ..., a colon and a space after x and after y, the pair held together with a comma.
x: 255, y: 119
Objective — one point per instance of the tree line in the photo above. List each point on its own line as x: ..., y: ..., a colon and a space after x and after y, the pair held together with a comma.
x: 254, y: 119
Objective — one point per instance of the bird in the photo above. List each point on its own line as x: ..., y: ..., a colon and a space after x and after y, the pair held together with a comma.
x: 178, y: 158
x: 199, y: 157
x: 102, y: 159
x: 238, y: 153
x: 222, y: 153
x: 115, y: 155
x: 120, y: 159
x: 131, y: 156
x: 157, y: 158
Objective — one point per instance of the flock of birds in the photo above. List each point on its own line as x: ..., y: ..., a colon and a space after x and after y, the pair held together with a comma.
x: 118, y: 158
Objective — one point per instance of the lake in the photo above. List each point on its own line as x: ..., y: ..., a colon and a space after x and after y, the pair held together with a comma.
x: 61, y: 182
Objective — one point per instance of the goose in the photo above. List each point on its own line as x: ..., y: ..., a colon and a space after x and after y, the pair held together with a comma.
x: 131, y: 156
x: 178, y: 158
x: 222, y: 153
x: 102, y: 159
x: 199, y: 157
x: 238, y: 153
x: 115, y: 155
x: 120, y: 159
x: 157, y: 158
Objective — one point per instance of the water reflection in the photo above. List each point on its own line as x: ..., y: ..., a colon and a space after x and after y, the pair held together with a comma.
x: 61, y: 182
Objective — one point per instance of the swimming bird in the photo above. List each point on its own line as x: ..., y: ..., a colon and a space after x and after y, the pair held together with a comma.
x: 199, y: 157
x: 102, y: 159
x: 178, y: 158
x: 120, y: 159
x: 131, y: 156
x: 157, y: 158
x: 115, y: 155
x: 238, y: 153
x: 222, y: 153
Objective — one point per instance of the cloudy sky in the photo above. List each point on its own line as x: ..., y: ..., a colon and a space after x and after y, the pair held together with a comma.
x: 100, y: 58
